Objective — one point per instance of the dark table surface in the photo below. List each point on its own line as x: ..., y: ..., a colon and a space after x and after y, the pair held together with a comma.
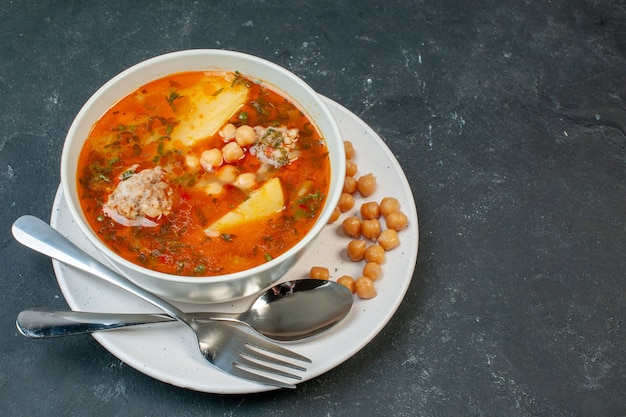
x: 509, y: 120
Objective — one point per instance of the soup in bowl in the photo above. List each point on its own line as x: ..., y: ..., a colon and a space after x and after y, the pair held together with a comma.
x: 202, y: 175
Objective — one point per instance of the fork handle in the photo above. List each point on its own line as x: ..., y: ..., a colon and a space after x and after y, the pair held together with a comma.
x: 41, y: 237
x: 44, y: 323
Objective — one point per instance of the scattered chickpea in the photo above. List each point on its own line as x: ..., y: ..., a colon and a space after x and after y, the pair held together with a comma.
x: 347, y: 145
x: 396, y: 220
x: 388, y: 239
x: 370, y: 210
x: 368, y: 226
x: 352, y: 226
x: 375, y: 253
x: 346, y: 202
x: 364, y: 288
x: 367, y: 185
x: 319, y: 272
x: 245, y: 135
x: 372, y: 270
x: 211, y: 159
x: 370, y: 229
x: 228, y: 132
x: 335, y: 215
x: 348, y: 282
x: 351, y: 168
x: 232, y: 152
x: 349, y: 185
x: 389, y: 205
x: 356, y: 249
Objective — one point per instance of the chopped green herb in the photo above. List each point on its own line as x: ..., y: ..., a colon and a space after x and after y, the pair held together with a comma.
x: 267, y: 257
x: 127, y: 174
x: 113, y: 161
x: 227, y: 237
x: 260, y: 107
x: 239, y: 79
x: 173, y: 96
x: 103, y: 177
x: 308, y: 205
x: 199, y: 269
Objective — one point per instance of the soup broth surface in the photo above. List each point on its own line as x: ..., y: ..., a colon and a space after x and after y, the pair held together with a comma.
x: 153, y: 187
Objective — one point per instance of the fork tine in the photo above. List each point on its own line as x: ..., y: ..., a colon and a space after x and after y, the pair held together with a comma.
x: 259, y: 355
x: 238, y: 350
x: 240, y: 372
x: 245, y: 363
x: 268, y: 364
x: 272, y: 347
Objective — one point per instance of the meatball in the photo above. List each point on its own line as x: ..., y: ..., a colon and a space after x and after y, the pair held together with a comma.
x: 140, y: 196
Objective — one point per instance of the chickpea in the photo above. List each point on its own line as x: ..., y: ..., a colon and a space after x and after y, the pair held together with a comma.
x: 192, y: 162
x: 356, y: 249
x: 372, y: 270
x: 347, y: 281
x: 232, y: 152
x: 352, y: 226
x: 370, y: 229
x: 351, y: 168
x: 214, y: 187
x: 388, y: 239
x: 347, y: 145
x: 211, y: 159
x: 346, y: 202
x: 375, y: 253
x: 245, y: 181
x: 367, y: 185
x: 396, y: 220
x: 389, y: 205
x: 228, y: 132
x: 227, y: 174
x: 319, y: 272
x: 370, y: 210
x: 335, y: 215
x: 364, y: 288
x: 245, y: 135
x: 349, y: 185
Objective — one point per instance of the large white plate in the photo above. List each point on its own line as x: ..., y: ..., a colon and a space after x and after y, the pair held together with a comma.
x: 168, y: 351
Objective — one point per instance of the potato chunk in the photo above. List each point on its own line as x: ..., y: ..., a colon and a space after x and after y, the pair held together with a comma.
x: 262, y: 203
x: 211, y: 105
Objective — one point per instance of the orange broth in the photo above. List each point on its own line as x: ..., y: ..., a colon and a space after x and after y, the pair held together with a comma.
x: 138, y: 130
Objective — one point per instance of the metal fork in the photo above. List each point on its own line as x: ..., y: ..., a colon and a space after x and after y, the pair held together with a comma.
x: 232, y: 348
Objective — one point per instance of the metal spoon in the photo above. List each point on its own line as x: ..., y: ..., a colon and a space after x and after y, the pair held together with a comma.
x: 289, y: 311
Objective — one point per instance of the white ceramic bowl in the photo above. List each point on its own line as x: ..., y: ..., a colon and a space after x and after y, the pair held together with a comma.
x: 215, y: 288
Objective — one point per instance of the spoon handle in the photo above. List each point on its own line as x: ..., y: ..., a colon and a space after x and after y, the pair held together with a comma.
x: 43, y: 323
x: 41, y: 237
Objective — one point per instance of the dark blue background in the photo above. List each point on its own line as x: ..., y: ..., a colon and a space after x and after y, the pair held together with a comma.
x: 509, y: 120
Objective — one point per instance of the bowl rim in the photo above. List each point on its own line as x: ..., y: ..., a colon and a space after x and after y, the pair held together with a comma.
x: 337, y: 174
